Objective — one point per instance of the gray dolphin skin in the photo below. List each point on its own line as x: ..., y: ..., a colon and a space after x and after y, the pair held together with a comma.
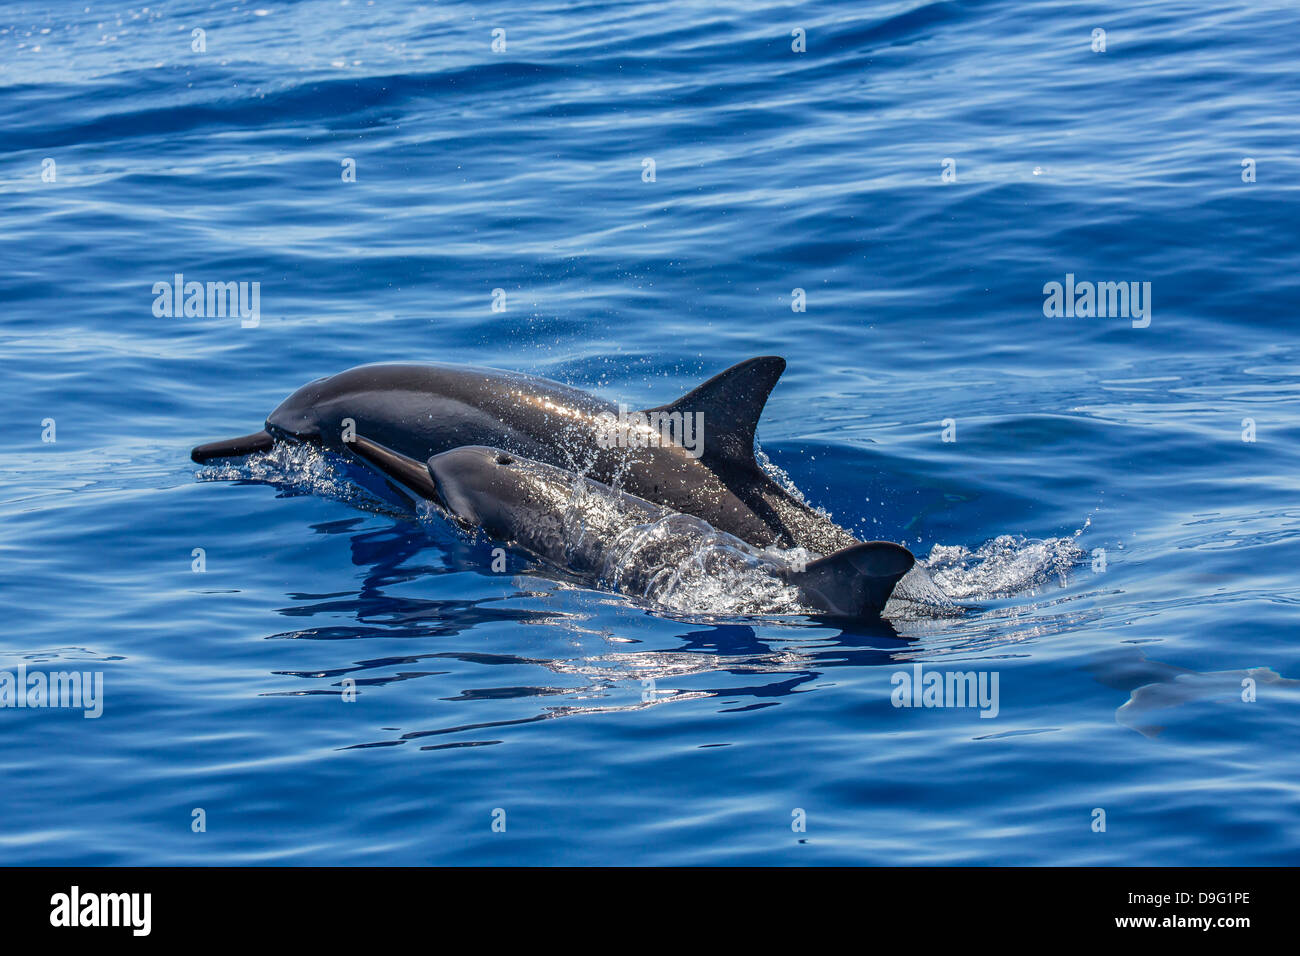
x: 423, y: 410
x: 588, y: 527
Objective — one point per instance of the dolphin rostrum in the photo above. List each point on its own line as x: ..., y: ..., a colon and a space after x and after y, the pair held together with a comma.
x: 423, y: 410
x: 587, y: 527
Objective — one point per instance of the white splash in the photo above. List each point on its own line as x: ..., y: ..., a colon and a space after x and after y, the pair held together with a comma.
x: 303, y: 468
x: 1007, y: 565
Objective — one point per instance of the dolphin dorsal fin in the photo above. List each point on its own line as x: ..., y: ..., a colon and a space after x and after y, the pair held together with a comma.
x: 731, y: 402
x: 857, y: 581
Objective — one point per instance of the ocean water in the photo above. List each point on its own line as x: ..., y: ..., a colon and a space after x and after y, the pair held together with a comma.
x: 1116, y: 518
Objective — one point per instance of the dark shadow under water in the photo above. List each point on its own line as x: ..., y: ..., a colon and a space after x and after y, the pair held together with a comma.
x: 392, y: 556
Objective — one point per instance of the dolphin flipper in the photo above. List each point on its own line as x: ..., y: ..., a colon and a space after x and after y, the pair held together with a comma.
x: 857, y: 581
x: 233, y: 447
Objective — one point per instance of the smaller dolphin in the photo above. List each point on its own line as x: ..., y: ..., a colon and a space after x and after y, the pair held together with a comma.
x: 590, y: 528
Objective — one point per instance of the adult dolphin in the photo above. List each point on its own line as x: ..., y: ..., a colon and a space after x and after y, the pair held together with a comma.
x: 585, y: 526
x: 423, y: 410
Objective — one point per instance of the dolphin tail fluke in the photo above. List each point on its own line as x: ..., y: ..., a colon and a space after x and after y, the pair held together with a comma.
x: 233, y: 447
x: 855, y: 582
x: 413, y: 474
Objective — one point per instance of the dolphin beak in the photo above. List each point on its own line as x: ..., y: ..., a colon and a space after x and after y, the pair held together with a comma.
x: 233, y: 447
x: 398, y: 467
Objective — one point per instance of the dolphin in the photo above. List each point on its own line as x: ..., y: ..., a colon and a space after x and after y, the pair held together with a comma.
x: 1155, y: 687
x: 585, y: 526
x: 422, y: 410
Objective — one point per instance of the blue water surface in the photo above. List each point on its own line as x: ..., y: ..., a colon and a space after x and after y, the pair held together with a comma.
x: 1125, y: 551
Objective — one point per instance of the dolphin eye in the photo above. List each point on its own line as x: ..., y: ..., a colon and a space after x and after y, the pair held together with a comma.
x: 505, y: 460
